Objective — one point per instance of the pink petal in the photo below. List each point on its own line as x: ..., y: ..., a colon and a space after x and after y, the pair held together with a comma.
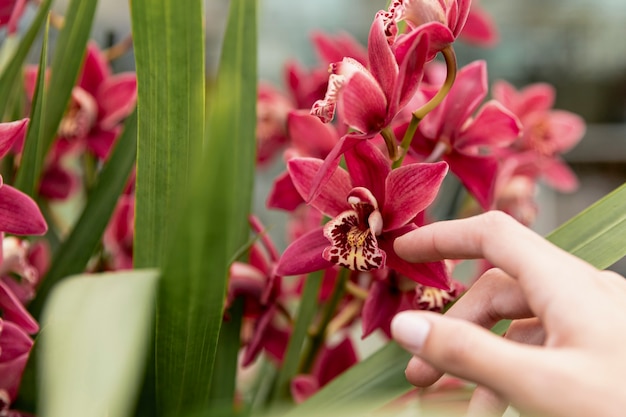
x: 411, y: 53
x: 477, y: 173
x: 368, y: 167
x: 303, y: 386
x: 379, y: 308
x: 381, y: 59
x: 19, y: 214
x: 506, y: 94
x: 58, y: 183
x: 11, y: 133
x: 410, y: 189
x: 363, y: 104
x: 536, y: 97
x: 494, y: 125
x: 13, y: 310
x: 304, y: 255
x: 329, y: 166
x: 95, y: 69
x: 309, y: 135
x: 433, y: 274
x: 116, y: 96
x: 101, y: 141
x: 284, y: 195
x: 559, y: 176
x: 15, y: 346
x: 333, y: 361
x: 566, y: 129
x: 334, y: 48
x: 480, y: 29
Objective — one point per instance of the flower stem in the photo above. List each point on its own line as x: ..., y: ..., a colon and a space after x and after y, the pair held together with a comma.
x: 319, y: 334
x: 391, y: 142
x: 419, y: 114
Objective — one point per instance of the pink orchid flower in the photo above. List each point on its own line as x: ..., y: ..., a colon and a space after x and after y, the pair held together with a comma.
x: 467, y: 142
x: 547, y: 133
x: 15, y: 346
x: 330, y: 363
x: 19, y: 214
x: 479, y: 28
x: 370, y: 206
x: 119, y: 234
x: 23, y: 265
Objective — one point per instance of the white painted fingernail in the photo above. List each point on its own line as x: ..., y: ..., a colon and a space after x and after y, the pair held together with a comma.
x: 410, y: 330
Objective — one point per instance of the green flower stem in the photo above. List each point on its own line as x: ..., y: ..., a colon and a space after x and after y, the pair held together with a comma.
x: 390, y: 141
x: 419, y: 114
x: 318, y: 336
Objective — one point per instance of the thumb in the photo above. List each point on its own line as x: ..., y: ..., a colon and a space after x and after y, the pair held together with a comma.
x: 468, y: 351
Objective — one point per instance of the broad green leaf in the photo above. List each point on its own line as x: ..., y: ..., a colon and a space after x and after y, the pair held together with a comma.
x: 210, y: 228
x: 76, y: 250
x: 34, y: 145
x: 95, y: 331
x: 169, y: 55
x: 598, y: 233
x: 15, y: 64
x: 69, y: 52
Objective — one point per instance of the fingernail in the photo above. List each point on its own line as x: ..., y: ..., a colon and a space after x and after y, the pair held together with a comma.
x: 410, y: 330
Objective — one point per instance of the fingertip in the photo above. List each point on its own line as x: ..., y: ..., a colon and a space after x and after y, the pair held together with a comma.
x: 404, y: 247
x: 410, y: 329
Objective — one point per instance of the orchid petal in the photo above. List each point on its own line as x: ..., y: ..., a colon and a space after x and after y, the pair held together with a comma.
x: 101, y: 141
x: 480, y: 29
x: 11, y: 133
x: 477, y: 173
x: 19, y: 214
x: 309, y: 135
x: 303, y: 386
x: 116, y: 96
x: 410, y: 189
x: 330, y: 164
x: 58, y: 183
x: 334, y: 49
x: 381, y: 59
x: 411, y: 53
x: 335, y: 360
x: 379, y: 308
x: 536, y: 97
x: 304, y: 255
x: 493, y: 126
x: 95, y: 69
x: 284, y: 195
x: 331, y: 199
x: 567, y: 129
x: 15, y: 346
x: 362, y: 103
x: 368, y: 168
x: 559, y: 176
x: 13, y: 310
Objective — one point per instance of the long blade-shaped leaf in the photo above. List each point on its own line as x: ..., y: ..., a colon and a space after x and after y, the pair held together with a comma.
x: 597, y: 235
x: 95, y: 331
x: 210, y: 229
x: 14, y: 65
x: 66, y: 64
x: 76, y: 250
x: 169, y: 55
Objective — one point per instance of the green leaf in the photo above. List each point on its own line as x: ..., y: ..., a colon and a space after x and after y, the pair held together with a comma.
x: 34, y: 146
x: 598, y: 233
x: 76, y: 250
x: 15, y: 64
x: 169, y: 55
x: 211, y: 226
x: 69, y: 52
x: 95, y: 331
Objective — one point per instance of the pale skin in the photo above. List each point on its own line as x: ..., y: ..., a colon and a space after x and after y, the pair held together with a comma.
x: 565, y: 352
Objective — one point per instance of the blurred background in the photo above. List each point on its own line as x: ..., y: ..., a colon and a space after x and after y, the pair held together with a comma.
x: 579, y: 46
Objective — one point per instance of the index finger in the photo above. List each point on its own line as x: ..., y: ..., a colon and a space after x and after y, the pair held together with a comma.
x: 543, y: 269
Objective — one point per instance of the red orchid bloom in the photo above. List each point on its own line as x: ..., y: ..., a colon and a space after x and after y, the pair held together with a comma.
x: 330, y: 363
x: 546, y: 134
x: 15, y: 346
x: 27, y: 260
x: 10, y: 13
x: 467, y: 142
x: 19, y: 214
x: 370, y: 206
x: 271, y: 135
x: 260, y: 287
x: 119, y: 234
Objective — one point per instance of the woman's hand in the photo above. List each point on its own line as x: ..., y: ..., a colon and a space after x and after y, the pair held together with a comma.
x: 565, y: 352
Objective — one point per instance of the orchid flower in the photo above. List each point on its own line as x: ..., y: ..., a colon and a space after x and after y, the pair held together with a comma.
x: 369, y: 205
x: 10, y: 13
x: 547, y: 133
x: 467, y: 142
x: 119, y: 234
x: 15, y: 346
x: 479, y: 28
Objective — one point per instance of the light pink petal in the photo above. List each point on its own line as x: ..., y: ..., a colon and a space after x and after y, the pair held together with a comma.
x: 303, y: 386
x: 304, y: 255
x: 506, y: 94
x: 457, y: 16
x: 13, y: 310
x: 559, y: 176
x: 536, y: 97
x: 410, y: 189
x: 330, y: 164
x: 368, y: 167
x: 439, y: 36
x: 309, y: 135
x: 334, y: 48
x: 11, y: 133
x: 19, y: 214
x: 480, y: 29
x: 477, y: 173
x: 433, y: 274
x: 381, y: 59
x: 567, y: 129
x: 95, y: 69
x: 284, y: 195
x: 116, y: 96
x: 493, y: 126
x: 363, y: 104
x: 379, y: 308
x: 332, y: 198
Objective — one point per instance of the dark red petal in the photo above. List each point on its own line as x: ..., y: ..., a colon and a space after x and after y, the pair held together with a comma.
x: 304, y: 255
x: 368, y: 168
x: 11, y: 133
x: 477, y: 173
x: 362, y: 104
x: 380, y: 306
x: 283, y: 194
x: 19, y: 214
x: 382, y: 61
